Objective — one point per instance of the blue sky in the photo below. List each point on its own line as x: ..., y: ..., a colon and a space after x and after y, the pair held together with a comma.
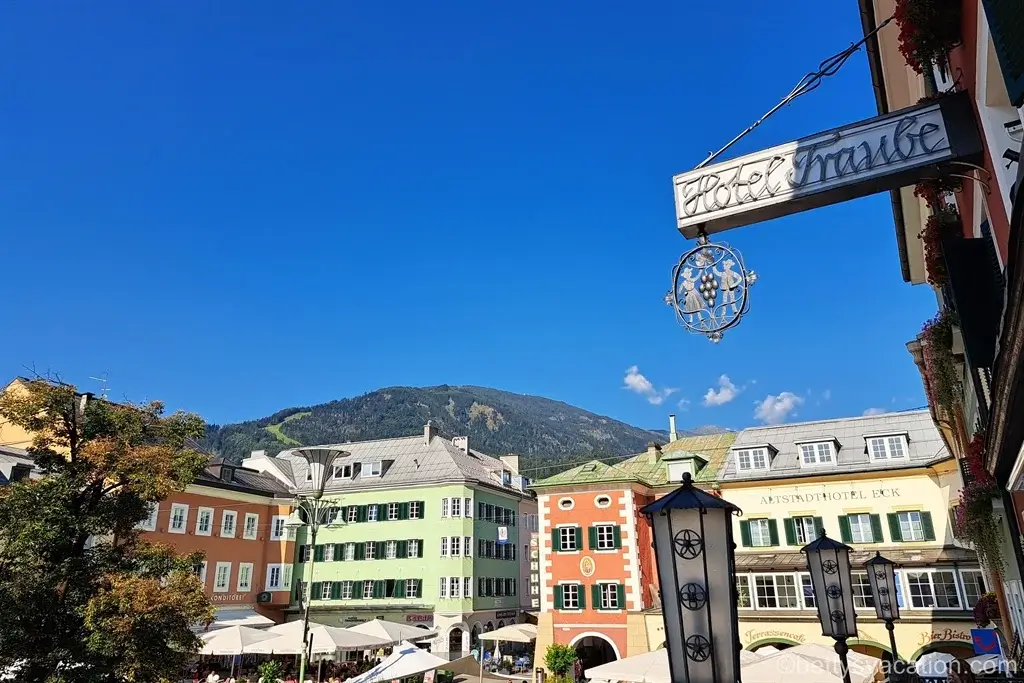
x: 253, y: 205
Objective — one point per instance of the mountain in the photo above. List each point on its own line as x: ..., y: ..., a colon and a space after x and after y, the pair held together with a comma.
x: 547, y: 434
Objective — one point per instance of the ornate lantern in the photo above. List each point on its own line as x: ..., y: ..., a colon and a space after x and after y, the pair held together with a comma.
x: 696, y: 562
x: 882, y: 578
x: 829, y: 564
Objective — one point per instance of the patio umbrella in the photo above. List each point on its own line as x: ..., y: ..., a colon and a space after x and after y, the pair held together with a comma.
x: 406, y: 660
x: 513, y: 633
x: 324, y: 639
x: 233, y: 640
x: 649, y: 667
x: 389, y: 630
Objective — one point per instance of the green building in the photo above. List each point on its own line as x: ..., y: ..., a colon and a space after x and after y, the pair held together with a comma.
x: 427, y: 532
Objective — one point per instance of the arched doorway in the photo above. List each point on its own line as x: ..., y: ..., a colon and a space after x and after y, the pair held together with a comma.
x: 455, y: 641
x: 474, y: 637
x: 501, y: 624
x: 594, y: 649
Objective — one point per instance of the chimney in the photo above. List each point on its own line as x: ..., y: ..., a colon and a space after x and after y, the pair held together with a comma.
x: 672, y: 436
x: 511, y: 461
x: 462, y: 443
x: 429, y: 432
x: 653, y: 452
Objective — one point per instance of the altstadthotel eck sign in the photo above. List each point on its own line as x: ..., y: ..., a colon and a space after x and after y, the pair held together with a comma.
x: 883, y: 153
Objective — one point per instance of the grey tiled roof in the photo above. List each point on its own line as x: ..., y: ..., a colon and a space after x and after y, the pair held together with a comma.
x: 16, y: 456
x: 924, y: 443
x: 413, y: 462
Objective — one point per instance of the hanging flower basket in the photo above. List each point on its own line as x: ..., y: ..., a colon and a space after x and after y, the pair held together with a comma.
x: 986, y: 610
x: 939, y: 363
x: 937, y: 224
x: 929, y: 29
x: 933, y: 191
x: 975, y: 522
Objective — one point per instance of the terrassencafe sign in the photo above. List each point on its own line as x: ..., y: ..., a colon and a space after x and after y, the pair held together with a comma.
x: 879, y: 154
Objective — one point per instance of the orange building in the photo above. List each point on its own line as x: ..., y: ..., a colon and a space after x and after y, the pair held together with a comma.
x: 237, y: 517
x: 596, y: 567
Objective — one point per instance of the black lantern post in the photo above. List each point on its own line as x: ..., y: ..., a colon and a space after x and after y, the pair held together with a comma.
x: 696, y: 561
x: 882, y: 578
x: 829, y: 564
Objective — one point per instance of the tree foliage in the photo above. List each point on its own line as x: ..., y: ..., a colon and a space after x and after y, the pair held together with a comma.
x: 85, y: 598
x: 559, y: 659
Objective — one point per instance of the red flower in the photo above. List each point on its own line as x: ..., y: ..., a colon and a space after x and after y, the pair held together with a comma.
x: 936, y: 224
x: 929, y: 29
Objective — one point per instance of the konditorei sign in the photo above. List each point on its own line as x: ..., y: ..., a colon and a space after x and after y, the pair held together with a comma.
x: 882, y: 153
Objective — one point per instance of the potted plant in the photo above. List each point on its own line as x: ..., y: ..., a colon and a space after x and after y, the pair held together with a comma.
x: 975, y: 521
x: 939, y: 223
x: 939, y: 363
x: 933, y: 190
x: 929, y: 29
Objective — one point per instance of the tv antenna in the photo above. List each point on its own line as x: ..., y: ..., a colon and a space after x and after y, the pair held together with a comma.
x: 103, y: 383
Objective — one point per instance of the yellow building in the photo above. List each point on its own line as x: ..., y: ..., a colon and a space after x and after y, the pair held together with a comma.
x: 880, y: 483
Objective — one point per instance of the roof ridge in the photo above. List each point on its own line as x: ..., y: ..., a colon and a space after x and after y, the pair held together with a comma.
x: 913, y: 411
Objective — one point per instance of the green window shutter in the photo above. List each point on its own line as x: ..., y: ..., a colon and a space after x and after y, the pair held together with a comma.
x: 403, y: 548
x: 399, y: 588
x: 745, y: 533
x: 378, y: 589
x: 617, y: 535
x: 819, y: 524
x: 1006, y: 25
x: 379, y: 554
x: 621, y: 590
x: 582, y: 592
x: 894, y: 527
x: 844, y: 529
x: 360, y: 551
x: 336, y: 590
x: 595, y: 596
x: 558, y: 593
x: 789, y: 525
x: 876, y: 529
x: 315, y: 588
x: 592, y: 537
x: 361, y: 516
x: 929, y: 527
x: 343, y: 513
x: 382, y: 512
x: 403, y: 511
x: 357, y: 590
x: 773, y: 532
x: 318, y: 553
x: 579, y: 538
x: 555, y: 545
x: 419, y: 548
x: 339, y: 552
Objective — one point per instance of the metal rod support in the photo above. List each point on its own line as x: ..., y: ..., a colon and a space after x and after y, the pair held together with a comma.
x: 842, y: 649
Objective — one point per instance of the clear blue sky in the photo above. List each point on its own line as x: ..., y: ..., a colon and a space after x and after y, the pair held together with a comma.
x: 255, y: 204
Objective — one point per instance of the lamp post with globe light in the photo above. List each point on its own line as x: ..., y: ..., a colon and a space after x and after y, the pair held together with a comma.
x: 828, y: 561
x: 313, y: 511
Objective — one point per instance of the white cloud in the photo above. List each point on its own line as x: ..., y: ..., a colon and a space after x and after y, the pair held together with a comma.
x: 636, y: 382
x: 873, y: 411
x: 774, y: 410
x: 726, y: 392
x: 684, y: 404
x: 827, y: 395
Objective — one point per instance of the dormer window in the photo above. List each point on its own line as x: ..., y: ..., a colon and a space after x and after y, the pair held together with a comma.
x: 885, y: 447
x: 371, y: 469
x: 506, y: 478
x: 343, y: 471
x: 817, y: 453
x: 755, y: 459
x: 677, y: 469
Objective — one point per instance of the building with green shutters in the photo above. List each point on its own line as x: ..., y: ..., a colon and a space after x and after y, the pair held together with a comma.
x: 425, y: 531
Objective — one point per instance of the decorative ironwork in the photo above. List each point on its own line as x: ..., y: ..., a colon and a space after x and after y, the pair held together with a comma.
x: 882, y: 590
x: 692, y: 596
x: 838, y: 616
x: 880, y: 574
x: 698, y: 648
x: 710, y: 289
x: 834, y: 592
x: 886, y: 606
x: 688, y: 544
x: 830, y: 566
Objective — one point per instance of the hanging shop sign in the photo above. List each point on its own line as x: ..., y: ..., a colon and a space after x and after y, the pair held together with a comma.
x: 502, y: 535
x: 883, y: 153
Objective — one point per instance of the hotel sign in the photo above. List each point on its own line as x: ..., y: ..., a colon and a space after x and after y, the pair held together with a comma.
x: 883, y: 153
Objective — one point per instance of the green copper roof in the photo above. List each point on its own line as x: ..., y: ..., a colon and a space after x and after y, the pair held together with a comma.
x: 648, y: 470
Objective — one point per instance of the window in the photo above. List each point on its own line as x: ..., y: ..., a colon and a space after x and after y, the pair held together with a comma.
x: 415, y: 510
x: 760, y: 533
x: 179, y: 518
x: 490, y: 587
x: 911, y: 527
x: 860, y: 528
x: 328, y: 552
x: 252, y: 525
x: 566, y: 503
x: 201, y: 573
x: 821, y: 453
x: 456, y: 507
x: 861, y: 591
x: 932, y: 589
x: 467, y: 544
x: 350, y: 552
x: 346, y: 590
x: 343, y: 471
x: 974, y: 585
x: 743, y: 591
x: 391, y: 550
x: 499, y: 587
x: 603, y: 501
x: 570, y: 596
x: 608, y: 595
x: 370, y: 550
x: 371, y: 513
x: 304, y: 553
x: 444, y: 507
x: 444, y: 546
x: 228, y: 522
x: 804, y: 530
x: 279, y: 577
x: 392, y: 512
x: 442, y: 588
x: 204, y: 522
x: 605, y: 534
x: 277, y: 527
x: 807, y: 588
x: 352, y: 514
x: 489, y: 512
x: 567, y: 538
x: 370, y: 469
x: 775, y: 591
x: 455, y: 587
x: 467, y: 505
x: 752, y: 459
x: 149, y: 524
x: 413, y: 588
x: 456, y: 546
x: 222, y: 577
x: 244, y: 577
x: 325, y: 591
x: 412, y: 548
x: 887, y: 447
x: 367, y: 590
x: 467, y: 587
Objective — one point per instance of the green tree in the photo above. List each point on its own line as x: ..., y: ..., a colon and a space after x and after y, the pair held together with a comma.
x: 85, y: 598
x: 559, y: 659
x: 270, y: 671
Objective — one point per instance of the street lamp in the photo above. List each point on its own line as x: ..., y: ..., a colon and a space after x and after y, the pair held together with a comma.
x: 882, y: 578
x: 696, y: 561
x: 313, y: 510
x: 829, y: 564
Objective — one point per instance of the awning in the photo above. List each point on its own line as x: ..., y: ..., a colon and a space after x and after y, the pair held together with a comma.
x: 240, y: 617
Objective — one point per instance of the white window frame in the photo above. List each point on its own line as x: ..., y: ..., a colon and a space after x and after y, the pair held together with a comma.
x: 204, y: 513
x: 749, y: 456
x: 255, y: 519
x: 817, y: 453
x: 149, y: 524
x: 245, y: 571
x: 861, y: 578
x: 764, y: 532
x: 202, y: 572
x: 412, y: 588
x: 444, y: 546
x: 342, y: 472
x: 415, y: 511
x: 328, y: 552
x: 467, y: 507
x: 412, y: 547
x: 224, y: 517
x: 346, y: 590
x: 390, y: 550
x: 775, y: 578
x: 325, y: 590
x: 456, y: 507
x: 455, y: 546
x: 369, y: 550
x: 226, y: 587
x: 467, y: 546
x: 370, y: 469
x: 368, y: 590
x: 930, y: 573
x: 455, y: 588
x: 609, y: 542
x: 392, y: 512
x: 566, y: 503
x: 371, y: 513
x: 562, y: 537
x: 609, y: 591
x: 910, y: 525
x: 963, y: 584
x: 176, y: 507
x: 278, y: 530
x: 806, y: 601
x: 745, y: 580
x: 888, y: 445
x: 352, y: 514
x: 349, y: 552
x: 861, y: 516
x: 578, y: 589
x: 284, y: 572
x: 603, y: 501
x: 442, y: 588
x: 444, y: 507
x: 801, y: 529
x: 467, y: 587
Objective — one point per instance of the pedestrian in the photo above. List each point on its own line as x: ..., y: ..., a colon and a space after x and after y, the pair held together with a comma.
x: 213, y: 677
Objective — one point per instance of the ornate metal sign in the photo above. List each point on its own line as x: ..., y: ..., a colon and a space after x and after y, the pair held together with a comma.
x: 710, y: 289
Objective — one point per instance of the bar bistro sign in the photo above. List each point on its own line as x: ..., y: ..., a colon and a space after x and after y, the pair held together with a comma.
x: 883, y: 153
